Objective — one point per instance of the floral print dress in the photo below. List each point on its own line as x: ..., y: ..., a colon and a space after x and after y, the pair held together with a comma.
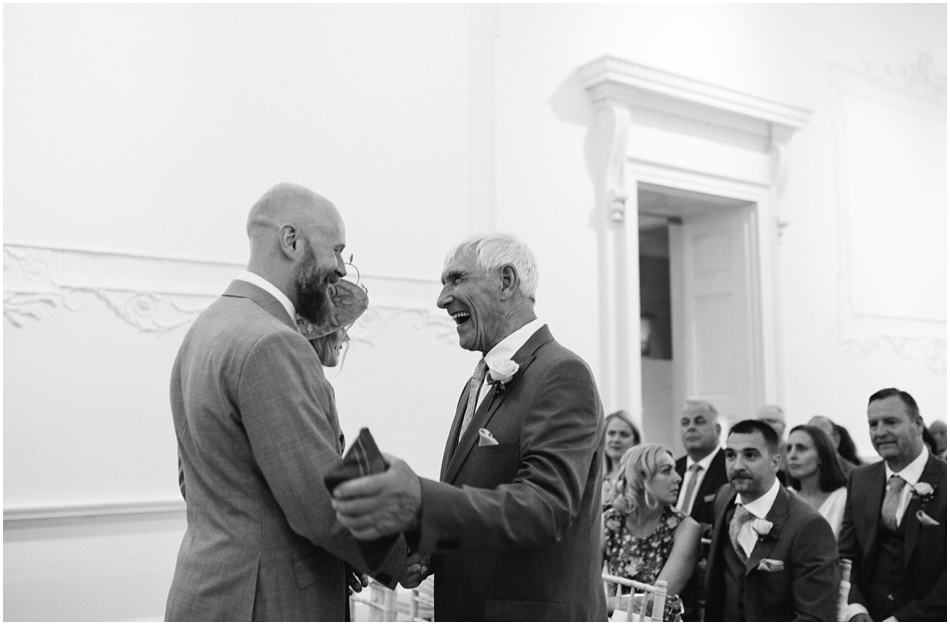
x: 642, y: 559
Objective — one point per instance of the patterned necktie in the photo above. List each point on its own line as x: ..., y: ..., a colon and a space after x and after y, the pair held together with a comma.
x: 892, y: 499
x: 474, y: 386
x: 740, y: 518
x: 693, y: 478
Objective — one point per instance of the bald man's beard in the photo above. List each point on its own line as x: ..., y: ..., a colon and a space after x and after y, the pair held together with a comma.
x: 313, y: 300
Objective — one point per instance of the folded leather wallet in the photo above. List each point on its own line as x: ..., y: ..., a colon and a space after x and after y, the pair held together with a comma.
x: 363, y: 458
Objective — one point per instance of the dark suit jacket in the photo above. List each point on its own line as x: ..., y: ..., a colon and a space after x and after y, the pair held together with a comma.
x: 515, y: 527
x: 257, y: 429
x: 805, y: 589
x: 702, y: 510
x: 925, y: 547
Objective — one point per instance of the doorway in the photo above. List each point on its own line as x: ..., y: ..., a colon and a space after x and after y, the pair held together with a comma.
x: 697, y: 267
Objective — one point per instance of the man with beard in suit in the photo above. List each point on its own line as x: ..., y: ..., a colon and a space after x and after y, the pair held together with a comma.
x: 895, y: 520
x: 773, y: 557
x: 257, y: 429
x: 513, y: 527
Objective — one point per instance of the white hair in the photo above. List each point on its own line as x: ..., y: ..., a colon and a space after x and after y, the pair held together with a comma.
x: 493, y: 251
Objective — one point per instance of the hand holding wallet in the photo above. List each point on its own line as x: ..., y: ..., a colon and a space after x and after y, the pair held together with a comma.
x: 363, y: 458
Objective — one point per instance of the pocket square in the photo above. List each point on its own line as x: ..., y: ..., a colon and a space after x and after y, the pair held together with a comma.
x: 485, y: 438
x: 709, y: 498
x: 770, y: 566
x: 926, y: 520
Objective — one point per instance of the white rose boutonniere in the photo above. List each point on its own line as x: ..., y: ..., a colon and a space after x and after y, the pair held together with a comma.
x: 923, y: 491
x: 501, y: 370
x: 761, y: 527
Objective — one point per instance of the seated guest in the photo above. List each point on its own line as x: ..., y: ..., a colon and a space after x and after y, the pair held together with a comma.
x: 775, y: 417
x: 895, y: 520
x: 930, y: 441
x: 772, y: 556
x: 938, y: 429
x: 827, y: 426
x: 846, y: 446
x: 815, y: 474
x: 645, y: 539
x: 703, y: 470
x: 620, y: 435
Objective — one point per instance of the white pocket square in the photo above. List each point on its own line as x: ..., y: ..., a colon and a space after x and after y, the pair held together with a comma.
x: 709, y: 498
x: 926, y: 520
x: 771, y: 566
x: 485, y: 438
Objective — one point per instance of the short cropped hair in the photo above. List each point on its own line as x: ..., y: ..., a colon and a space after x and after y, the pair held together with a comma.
x: 905, y: 397
x: 495, y: 250
x: 708, y: 410
x: 750, y: 426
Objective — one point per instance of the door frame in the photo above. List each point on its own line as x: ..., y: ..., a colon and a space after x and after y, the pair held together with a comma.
x: 669, y: 130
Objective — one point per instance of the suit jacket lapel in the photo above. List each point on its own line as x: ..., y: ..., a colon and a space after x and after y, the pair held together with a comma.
x: 240, y: 288
x: 912, y: 529
x: 454, y: 432
x: 524, y: 357
x: 778, y: 515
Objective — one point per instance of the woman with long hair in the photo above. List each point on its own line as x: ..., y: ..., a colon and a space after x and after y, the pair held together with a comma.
x: 620, y: 435
x: 846, y: 447
x: 645, y: 539
x: 815, y: 473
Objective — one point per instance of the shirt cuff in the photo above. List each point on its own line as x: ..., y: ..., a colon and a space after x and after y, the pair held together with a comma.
x: 854, y: 609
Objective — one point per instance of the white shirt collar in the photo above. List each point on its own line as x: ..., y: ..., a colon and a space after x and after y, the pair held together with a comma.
x: 912, y: 472
x: 704, y: 462
x: 761, y: 506
x: 510, y: 345
x: 256, y: 280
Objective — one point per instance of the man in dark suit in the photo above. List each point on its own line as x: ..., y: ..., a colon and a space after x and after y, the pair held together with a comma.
x: 513, y: 527
x: 895, y: 523
x: 773, y: 557
x: 703, y: 470
x: 257, y: 428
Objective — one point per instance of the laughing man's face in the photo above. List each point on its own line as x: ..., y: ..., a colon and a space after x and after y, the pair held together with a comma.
x: 471, y: 297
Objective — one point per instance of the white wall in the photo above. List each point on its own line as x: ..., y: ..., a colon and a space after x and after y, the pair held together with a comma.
x: 137, y: 137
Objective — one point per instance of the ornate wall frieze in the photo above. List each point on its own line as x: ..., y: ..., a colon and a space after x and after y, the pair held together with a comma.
x: 157, y: 295
x: 919, y: 77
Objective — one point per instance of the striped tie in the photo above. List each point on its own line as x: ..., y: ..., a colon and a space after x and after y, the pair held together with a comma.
x: 474, y: 386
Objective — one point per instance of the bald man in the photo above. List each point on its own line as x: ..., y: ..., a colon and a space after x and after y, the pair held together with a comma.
x: 257, y: 429
x: 827, y: 426
x: 775, y: 417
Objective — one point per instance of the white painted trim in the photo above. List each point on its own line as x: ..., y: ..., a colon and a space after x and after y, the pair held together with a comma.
x: 27, y: 517
x: 685, y: 108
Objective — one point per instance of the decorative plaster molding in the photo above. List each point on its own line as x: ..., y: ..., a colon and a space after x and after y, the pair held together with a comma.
x: 652, y: 90
x: 44, y: 516
x: 919, y: 77
x: 907, y: 93
x: 616, y: 128
x: 156, y: 295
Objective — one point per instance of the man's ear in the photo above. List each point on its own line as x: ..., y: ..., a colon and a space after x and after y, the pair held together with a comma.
x: 289, y: 242
x: 509, y: 281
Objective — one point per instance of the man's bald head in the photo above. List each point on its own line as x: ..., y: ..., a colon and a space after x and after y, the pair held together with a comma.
x: 297, y: 239
x: 827, y: 426
x: 774, y: 416
x: 288, y: 203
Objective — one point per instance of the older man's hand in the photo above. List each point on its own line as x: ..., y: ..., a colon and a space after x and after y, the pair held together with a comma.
x: 417, y: 569
x: 382, y: 504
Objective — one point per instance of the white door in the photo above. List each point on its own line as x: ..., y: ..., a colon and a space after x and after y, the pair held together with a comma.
x: 716, y: 350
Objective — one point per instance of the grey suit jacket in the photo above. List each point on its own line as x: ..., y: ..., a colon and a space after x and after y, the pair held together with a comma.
x: 257, y: 428
x: 925, y: 546
x: 803, y: 587
x: 516, y: 526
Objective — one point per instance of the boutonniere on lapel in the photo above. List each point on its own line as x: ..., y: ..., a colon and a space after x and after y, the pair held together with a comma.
x: 501, y: 371
x: 762, y: 528
x: 923, y: 492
